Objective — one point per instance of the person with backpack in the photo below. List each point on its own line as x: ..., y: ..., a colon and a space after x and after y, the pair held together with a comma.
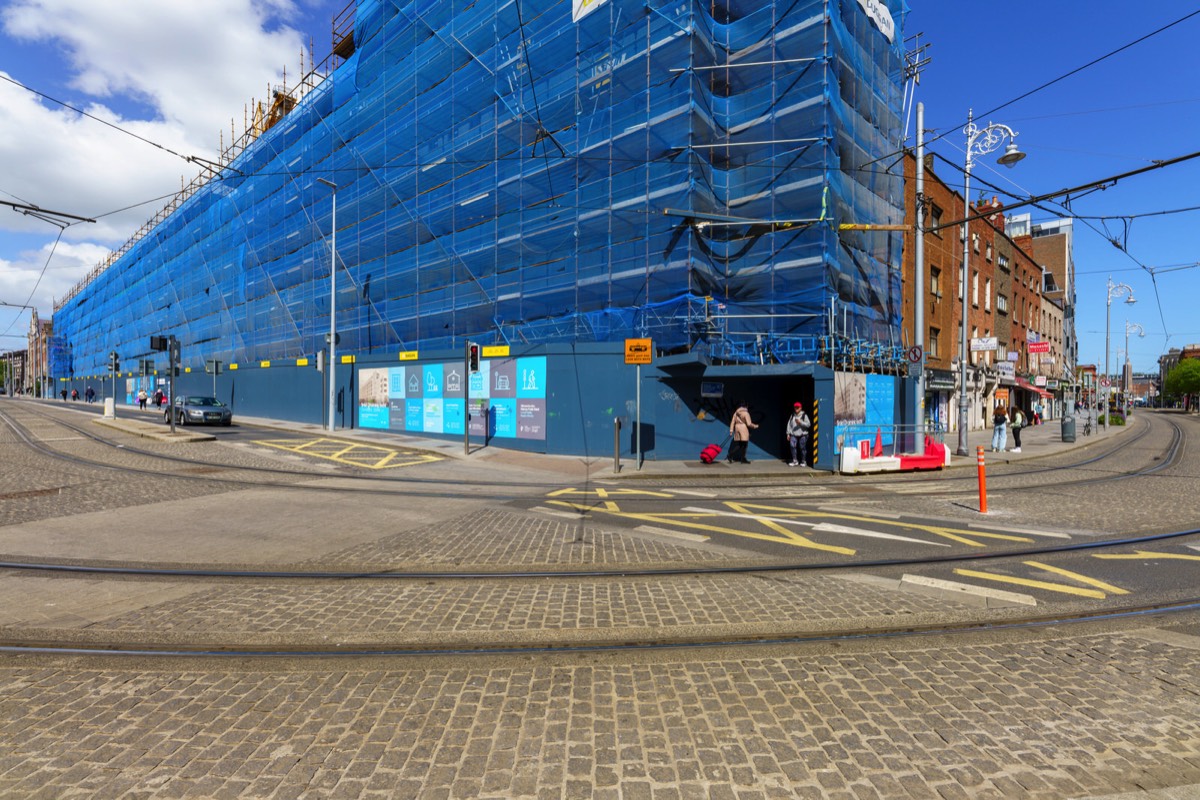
x: 798, y: 426
x: 1018, y: 422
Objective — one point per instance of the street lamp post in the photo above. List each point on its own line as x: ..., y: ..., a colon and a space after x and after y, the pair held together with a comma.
x: 980, y: 141
x: 1129, y: 326
x: 1114, y: 290
x: 332, y: 302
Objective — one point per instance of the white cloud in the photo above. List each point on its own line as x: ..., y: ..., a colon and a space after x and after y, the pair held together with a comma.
x: 174, y: 73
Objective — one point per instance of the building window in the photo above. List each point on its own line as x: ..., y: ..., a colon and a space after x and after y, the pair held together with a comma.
x: 1002, y: 261
x: 934, y: 333
x: 1002, y: 304
x: 975, y: 243
x: 935, y: 282
x: 987, y: 297
x: 961, y: 279
x: 935, y: 219
x: 975, y: 289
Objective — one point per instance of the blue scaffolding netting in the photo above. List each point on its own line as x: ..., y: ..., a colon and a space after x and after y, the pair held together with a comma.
x: 512, y: 172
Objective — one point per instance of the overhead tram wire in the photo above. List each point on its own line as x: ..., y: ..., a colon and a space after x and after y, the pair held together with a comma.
x: 94, y: 118
x: 1097, y: 185
x: 1045, y: 85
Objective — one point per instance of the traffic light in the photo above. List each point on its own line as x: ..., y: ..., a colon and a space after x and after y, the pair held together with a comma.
x: 473, y: 357
x: 114, y: 362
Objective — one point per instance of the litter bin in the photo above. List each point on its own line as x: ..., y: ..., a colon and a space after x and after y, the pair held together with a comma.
x: 1068, y: 428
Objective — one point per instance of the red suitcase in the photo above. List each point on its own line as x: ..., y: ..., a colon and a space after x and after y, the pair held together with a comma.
x: 709, y: 454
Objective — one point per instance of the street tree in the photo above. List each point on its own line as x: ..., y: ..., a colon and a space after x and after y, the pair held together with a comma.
x: 1184, y: 381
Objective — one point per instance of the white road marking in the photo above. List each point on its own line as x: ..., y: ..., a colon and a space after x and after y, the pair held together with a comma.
x: 1029, y: 531
x: 692, y: 492
x: 827, y: 527
x: 554, y: 513
x: 691, y: 537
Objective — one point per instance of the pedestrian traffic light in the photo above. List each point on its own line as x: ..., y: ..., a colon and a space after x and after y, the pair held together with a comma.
x: 473, y: 357
x: 114, y: 362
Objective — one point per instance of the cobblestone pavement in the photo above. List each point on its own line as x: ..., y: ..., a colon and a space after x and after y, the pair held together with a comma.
x: 1034, y: 718
x: 1032, y: 713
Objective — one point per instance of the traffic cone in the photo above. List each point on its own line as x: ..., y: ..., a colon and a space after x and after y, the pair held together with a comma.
x: 878, y: 443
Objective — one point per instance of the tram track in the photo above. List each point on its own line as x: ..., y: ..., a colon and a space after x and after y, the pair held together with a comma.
x: 234, y: 632
x: 944, y: 483
x: 554, y: 642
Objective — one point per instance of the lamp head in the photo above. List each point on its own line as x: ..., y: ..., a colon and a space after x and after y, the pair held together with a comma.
x: 1011, y: 155
x: 1130, y: 300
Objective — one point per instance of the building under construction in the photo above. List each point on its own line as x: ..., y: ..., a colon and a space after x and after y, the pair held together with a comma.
x: 547, y: 177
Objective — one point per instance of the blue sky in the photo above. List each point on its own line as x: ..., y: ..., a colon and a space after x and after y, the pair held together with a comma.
x: 177, y: 73
x: 1136, y: 107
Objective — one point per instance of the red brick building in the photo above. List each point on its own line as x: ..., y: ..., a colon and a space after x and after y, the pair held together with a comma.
x: 1004, y: 305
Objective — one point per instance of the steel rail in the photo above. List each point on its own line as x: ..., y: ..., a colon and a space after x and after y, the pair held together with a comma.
x: 206, y: 652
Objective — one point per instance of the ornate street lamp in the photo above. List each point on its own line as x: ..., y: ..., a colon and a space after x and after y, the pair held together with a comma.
x: 980, y: 141
x: 1114, y: 290
x: 1141, y: 332
x: 332, y: 302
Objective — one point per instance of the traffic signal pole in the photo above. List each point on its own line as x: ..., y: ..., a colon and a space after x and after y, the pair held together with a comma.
x: 467, y: 398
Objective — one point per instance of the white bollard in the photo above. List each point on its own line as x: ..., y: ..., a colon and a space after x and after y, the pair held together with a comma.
x: 110, y: 411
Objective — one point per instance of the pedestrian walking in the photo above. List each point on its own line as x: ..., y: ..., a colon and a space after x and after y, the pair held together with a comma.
x: 142, y: 398
x: 798, y: 426
x: 1018, y: 422
x: 64, y: 395
x: 158, y: 398
x: 74, y: 395
x: 999, y: 429
x: 89, y: 395
x: 739, y: 428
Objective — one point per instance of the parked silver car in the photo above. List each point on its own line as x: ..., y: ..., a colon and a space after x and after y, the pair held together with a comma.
x: 194, y: 409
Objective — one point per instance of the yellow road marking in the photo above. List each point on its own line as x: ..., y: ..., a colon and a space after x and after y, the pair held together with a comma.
x: 1051, y: 587
x: 1149, y: 554
x: 338, y: 451
x: 608, y: 492
x: 955, y: 534
x: 798, y: 541
x: 1075, y: 576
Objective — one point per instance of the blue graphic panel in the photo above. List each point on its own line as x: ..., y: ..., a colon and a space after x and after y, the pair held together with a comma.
x: 881, y: 405
x: 453, y: 415
x: 504, y: 417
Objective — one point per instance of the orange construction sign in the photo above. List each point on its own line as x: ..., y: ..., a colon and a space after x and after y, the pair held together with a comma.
x: 639, y: 351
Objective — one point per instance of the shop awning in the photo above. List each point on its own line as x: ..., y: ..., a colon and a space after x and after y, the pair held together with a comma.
x: 1024, y: 384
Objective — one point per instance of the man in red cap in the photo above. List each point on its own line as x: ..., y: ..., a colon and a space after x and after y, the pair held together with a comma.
x: 797, y: 436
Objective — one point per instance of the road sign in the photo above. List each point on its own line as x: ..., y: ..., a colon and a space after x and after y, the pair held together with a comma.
x: 915, y: 353
x: 639, y: 351
x: 1105, y: 382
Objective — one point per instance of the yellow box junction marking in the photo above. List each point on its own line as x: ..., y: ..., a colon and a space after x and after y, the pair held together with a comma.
x: 767, y: 516
x: 1062, y: 588
x: 366, y: 456
x: 1075, y: 576
x: 1148, y: 554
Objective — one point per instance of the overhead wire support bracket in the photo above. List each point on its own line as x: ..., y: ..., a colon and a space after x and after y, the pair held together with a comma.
x: 36, y: 211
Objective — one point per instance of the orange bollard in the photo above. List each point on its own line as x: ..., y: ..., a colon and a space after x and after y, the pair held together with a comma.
x: 982, y: 483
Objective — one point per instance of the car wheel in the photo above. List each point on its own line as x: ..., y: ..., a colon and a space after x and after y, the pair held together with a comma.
x: 183, y: 419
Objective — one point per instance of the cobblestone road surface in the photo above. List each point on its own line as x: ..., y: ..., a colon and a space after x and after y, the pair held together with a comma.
x: 1034, y: 713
